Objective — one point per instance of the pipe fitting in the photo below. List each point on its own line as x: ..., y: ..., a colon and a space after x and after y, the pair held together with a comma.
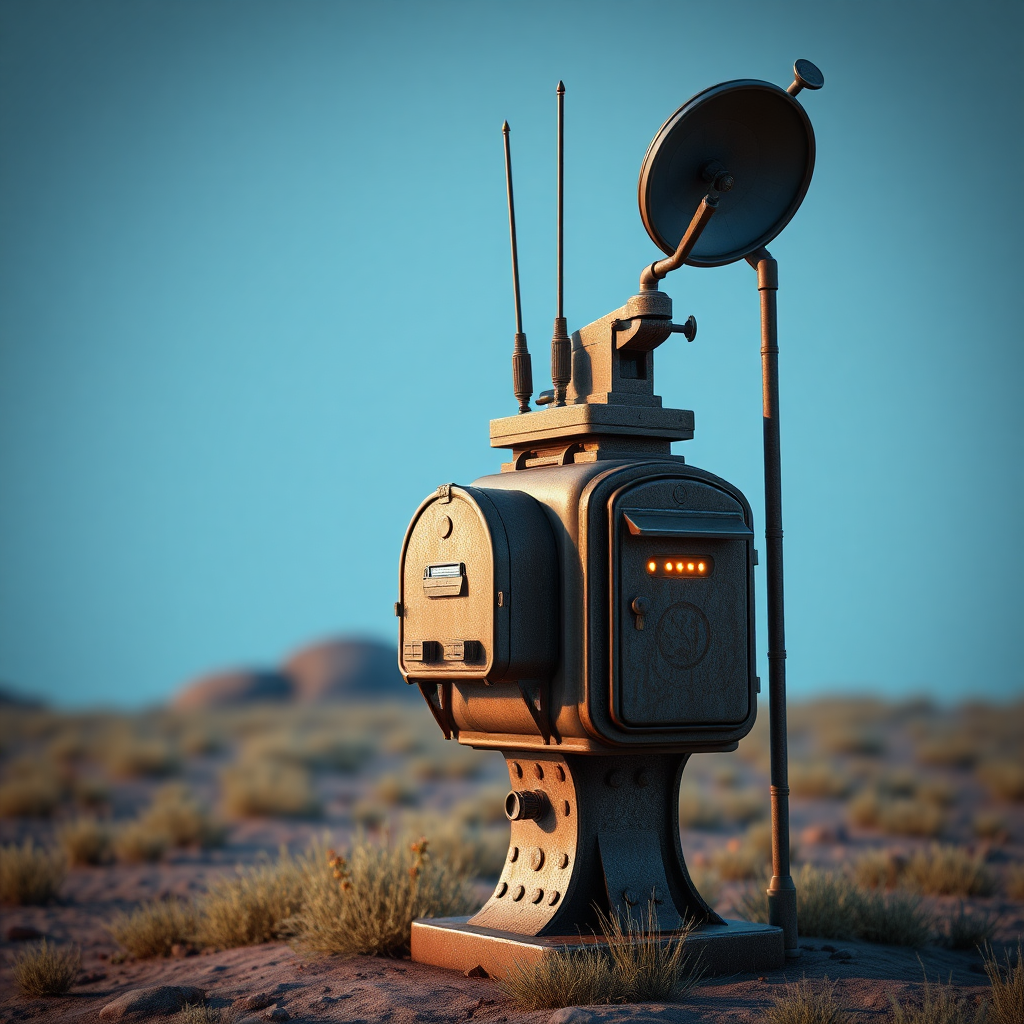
x: 522, y: 805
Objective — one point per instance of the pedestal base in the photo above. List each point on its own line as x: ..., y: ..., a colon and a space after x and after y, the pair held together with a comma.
x: 733, y: 947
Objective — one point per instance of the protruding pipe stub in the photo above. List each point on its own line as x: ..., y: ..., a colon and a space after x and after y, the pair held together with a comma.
x: 522, y: 805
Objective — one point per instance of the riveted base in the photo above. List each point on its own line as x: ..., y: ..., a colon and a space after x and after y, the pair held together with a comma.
x: 733, y: 947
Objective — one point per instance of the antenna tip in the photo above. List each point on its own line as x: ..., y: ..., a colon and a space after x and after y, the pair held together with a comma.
x: 561, y: 86
x: 504, y: 127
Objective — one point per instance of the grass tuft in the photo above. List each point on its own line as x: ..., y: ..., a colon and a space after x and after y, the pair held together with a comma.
x: 639, y: 964
x: 29, y: 798
x: 940, y: 1003
x: 1007, y: 999
x: 365, y: 900
x: 132, y: 758
x: 85, y: 841
x: 136, y: 843
x: 153, y: 929
x: 201, y: 1013
x: 1003, y: 779
x: 30, y: 875
x: 252, y: 907
x: 181, y: 819
x: 269, y: 789
x: 801, y: 1003
x: 42, y: 971
x: 831, y: 906
x: 949, y: 871
x: 967, y: 929
x: 900, y: 816
x: 819, y: 781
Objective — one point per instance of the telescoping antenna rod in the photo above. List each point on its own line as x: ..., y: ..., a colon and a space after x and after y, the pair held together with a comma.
x: 561, y: 355
x: 522, y: 371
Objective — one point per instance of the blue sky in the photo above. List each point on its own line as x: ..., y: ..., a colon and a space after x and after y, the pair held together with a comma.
x: 255, y: 305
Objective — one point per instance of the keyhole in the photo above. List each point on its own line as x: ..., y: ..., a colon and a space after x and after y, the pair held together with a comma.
x: 639, y: 606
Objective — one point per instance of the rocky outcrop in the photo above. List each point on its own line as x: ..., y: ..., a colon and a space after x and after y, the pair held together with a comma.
x: 333, y: 670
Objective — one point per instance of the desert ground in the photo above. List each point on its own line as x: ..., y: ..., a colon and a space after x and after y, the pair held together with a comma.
x: 914, y: 806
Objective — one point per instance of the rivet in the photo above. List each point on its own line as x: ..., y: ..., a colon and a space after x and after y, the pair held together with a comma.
x: 537, y: 858
x: 566, y: 809
x: 563, y: 860
x: 513, y: 853
x: 560, y: 773
x: 537, y: 895
x: 501, y: 890
x: 444, y: 527
x: 643, y: 779
x: 615, y: 778
x: 517, y: 893
x: 538, y: 770
x: 517, y: 768
x: 553, y: 897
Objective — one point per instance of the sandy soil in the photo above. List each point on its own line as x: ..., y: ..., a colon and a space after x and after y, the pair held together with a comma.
x: 371, y: 989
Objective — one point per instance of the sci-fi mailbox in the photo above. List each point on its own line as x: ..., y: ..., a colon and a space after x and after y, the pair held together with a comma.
x: 589, y: 610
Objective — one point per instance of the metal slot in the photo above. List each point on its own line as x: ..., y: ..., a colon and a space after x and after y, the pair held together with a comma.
x: 645, y: 522
x: 444, y: 579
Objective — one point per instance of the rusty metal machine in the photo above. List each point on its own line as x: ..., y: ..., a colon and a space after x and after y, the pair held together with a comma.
x: 589, y: 610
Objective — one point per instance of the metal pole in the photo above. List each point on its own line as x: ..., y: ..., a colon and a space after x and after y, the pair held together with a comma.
x: 561, y: 352
x: 522, y: 370
x: 781, y: 890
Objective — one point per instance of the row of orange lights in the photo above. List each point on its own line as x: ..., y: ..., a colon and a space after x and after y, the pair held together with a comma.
x: 678, y: 566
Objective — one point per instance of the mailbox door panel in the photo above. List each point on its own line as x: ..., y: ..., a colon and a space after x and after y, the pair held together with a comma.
x: 680, y: 606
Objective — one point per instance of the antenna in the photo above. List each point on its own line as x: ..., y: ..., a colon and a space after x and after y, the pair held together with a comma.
x: 522, y: 371
x: 561, y: 354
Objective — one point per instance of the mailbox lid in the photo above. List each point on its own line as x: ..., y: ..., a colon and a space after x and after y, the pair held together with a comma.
x: 682, y: 552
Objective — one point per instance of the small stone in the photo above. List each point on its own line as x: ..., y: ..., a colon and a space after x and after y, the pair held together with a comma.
x: 841, y: 954
x: 141, y: 1004
x: 277, y: 1013
x: 477, y: 972
x: 23, y: 933
x: 571, y: 1015
x: 179, y: 950
x: 256, y: 1001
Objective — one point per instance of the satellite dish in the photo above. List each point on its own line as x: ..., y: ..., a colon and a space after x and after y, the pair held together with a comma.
x: 751, y: 131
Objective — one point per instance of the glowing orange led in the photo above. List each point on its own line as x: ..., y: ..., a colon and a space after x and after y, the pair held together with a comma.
x: 700, y: 567
x: 689, y: 566
x: 651, y: 566
x: 668, y: 567
x: 679, y: 566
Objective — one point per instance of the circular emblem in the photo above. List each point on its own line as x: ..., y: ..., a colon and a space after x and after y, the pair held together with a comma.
x: 679, y: 494
x: 683, y: 635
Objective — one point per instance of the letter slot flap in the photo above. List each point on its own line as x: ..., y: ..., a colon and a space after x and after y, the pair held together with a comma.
x: 649, y: 522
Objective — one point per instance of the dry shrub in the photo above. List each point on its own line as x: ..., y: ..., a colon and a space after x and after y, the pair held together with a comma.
x: 1006, y: 1004
x: 1003, y: 779
x: 485, y: 807
x: 940, y: 1003
x: 899, y: 782
x: 1015, y: 881
x: 831, y: 906
x: 454, y: 765
x: 639, y: 964
x: 743, y: 806
x: 153, y: 929
x: 319, y: 750
x: 200, y: 742
x: 128, y: 757
x: 42, y: 971
x: 697, y: 811
x: 368, y: 815
x: 269, y: 789
x: 991, y: 826
x: 819, y: 781
x: 201, y: 1013
x: 404, y: 741
x: 85, y: 841
x: 967, y: 929
x: 738, y: 862
x: 91, y: 793
x: 859, y: 741
x: 956, y: 750
x: 30, y: 875
x: 137, y: 843
x: 29, y: 798
x: 801, y: 1003
x: 365, y: 900
x: 252, y: 907
x: 181, y: 819
x: 879, y: 869
x: 949, y: 871
x: 900, y: 816
x: 468, y: 850
x: 394, y: 792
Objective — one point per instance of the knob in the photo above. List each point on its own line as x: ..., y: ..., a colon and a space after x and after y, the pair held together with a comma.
x: 522, y: 805
x: 807, y: 76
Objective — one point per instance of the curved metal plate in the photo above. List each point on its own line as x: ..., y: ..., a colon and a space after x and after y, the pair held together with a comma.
x: 761, y: 135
